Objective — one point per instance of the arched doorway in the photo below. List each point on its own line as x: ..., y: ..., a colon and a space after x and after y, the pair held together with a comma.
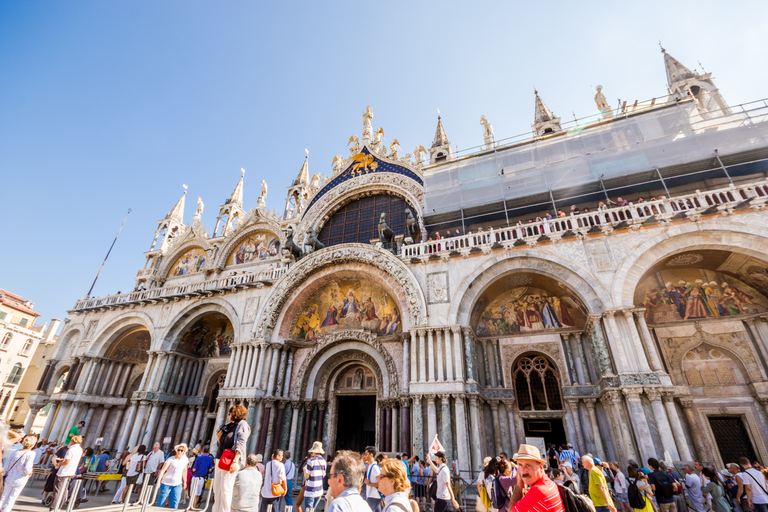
x: 539, y: 397
x: 354, y: 392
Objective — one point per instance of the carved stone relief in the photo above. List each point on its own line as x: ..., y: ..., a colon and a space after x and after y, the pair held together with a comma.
x: 437, y: 288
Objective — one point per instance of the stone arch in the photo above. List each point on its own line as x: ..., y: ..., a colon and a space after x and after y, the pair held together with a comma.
x: 170, y: 337
x: 177, y: 252
x: 400, y: 277
x: 410, y: 190
x: 222, y: 255
x: 555, y: 399
x: 209, y: 384
x: 117, y: 327
x: 716, y: 368
x: 67, y: 339
x: 335, y: 349
x: 748, y: 240
x: 57, y: 374
x: 578, y: 278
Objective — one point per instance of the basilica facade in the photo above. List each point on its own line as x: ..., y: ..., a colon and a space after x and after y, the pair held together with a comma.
x: 632, y: 325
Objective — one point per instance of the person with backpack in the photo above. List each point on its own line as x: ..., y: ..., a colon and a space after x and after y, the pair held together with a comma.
x: 443, y: 493
x: 662, y: 486
x: 598, y: 487
x: 485, y: 484
x: 372, y: 495
x: 636, y: 490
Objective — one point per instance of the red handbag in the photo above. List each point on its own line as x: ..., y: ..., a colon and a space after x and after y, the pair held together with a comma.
x: 225, y: 462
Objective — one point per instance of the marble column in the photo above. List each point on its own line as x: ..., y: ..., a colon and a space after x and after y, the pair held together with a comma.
x: 647, y: 338
x: 637, y: 344
x: 600, y: 353
x: 395, y: 438
x: 268, y: 425
x: 172, y: 423
x: 386, y: 444
x: 170, y: 370
x: 572, y: 409
x: 188, y: 426
x: 589, y: 403
x: 147, y: 371
x: 418, y: 426
x: 617, y: 343
x: 699, y: 444
x: 220, y: 413
x: 99, y: 430
x: 88, y: 367
x: 677, y: 427
x: 458, y: 353
x: 405, y: 424
x: 195, y: 435
x: 611, y: 401
x: 439, y: 353
x: 88, y: 419
x: 477, y: 446
x: 111, y: 429
x: 281, y: 372
x: 662, y: 423
x: 294, y: 427
x: 447, y: 430
x: 509, y: 420
x: 182, y: 376
x: 232, y: 371
x: 414, y: 358
x: 639, y: 423
x: 162, y: 423
x: 30, y: 419
x: 431, y: 418
x: 308, y: 406
x: 49, y: 421
x: 93, y: 375
x: 253, y: 442
x: 496, y: 426
x: 273, y: 373
x: 161, y: 360
x: 462, y: 435
x: 422, y: 356
x: 431, y: 357
x: 491, y: 361
x: 138, y: 424
x: 469, y: 357
x: 288, y: 373
x: 578, y: 362
x: 125, y: 426
x: 124, y: 379
x: 115, y: 379
x: 264, y: 360
x: 277, y: 428
x: 448, y: 354
x: 251, y: 380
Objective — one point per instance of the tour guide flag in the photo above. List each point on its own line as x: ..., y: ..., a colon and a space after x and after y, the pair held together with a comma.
x: 436, y: 446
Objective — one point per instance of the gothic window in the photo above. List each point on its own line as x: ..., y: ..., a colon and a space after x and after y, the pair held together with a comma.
x: 26, y: 348
x: 536, y: 384
x: 358, y: 221
x: 6, y: 340
x: 15, y: 376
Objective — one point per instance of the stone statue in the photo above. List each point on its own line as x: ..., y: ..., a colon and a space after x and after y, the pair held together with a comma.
x: 199, y: 211
x: 393, y: 149
x: 338, y: 164
x: 602, y: 103
x: 411, y: 224
x: 355, y: 149
x: 311, y: 243
x: 290, y: 248
x: 487, y: 132
x: 418, y: 150
x: 386, y: 235
x: 376, y: 145
x: 261, y: 202
x: 367, y: 128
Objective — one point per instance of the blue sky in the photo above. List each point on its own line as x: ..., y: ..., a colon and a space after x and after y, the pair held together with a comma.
x: 106, y: 106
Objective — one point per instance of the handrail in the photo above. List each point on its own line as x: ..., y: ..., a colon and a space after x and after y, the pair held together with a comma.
x: 184, y: 289
x: 592, y: 222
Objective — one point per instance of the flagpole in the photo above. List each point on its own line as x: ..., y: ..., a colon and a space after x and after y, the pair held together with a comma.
x: 108, y: 252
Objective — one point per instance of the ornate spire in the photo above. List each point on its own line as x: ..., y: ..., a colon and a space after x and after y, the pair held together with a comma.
x: 544, y: 121
x: 303, y: 177
x: 676, y: 71
x: 177, y: 213
x: 236, y: 198
x: 441, y: 139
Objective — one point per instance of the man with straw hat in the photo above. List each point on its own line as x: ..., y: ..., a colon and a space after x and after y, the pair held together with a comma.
x: 314, y: 472
x: 542, y: 495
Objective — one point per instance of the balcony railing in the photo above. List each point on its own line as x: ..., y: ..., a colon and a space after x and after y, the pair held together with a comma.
x: 191, y: 289
x: 687, y: 205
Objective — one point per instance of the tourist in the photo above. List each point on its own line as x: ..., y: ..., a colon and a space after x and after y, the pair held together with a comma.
x: 290, y: 475
x: 558, y: 476
x: 346, y: 473
x: 173, y: 478
x: 394, y: 485
x: 259, y: 464
x: 314, y: 472
x: 233, y: 436
x: 569, y: 454
x: 553, y: 457
x: 693, y: 484
x: 75, y: 431
x: 455, y: 478
x: 135, y: 467
x: 571, y: 476
x: 17, y: 472
x: 87, y: 461
x: 755, y: 486
x: 542, y: 495
x: 154, y: 460
x: 662, y: 486
x: 598, y: 487
x: 274, y: 478
x: 66, y: 469
x: 485, y: 480
x: 620, y: 486
x: 201, y: 469
x: 372, y: 495
x: 416, y: 475
x: 406, y: 463
x: 506, y: 474
x: 637, y: 478
x: 426, y: 478
x: 714, y: 488
x: 245, y: 493
x: 445, y: 496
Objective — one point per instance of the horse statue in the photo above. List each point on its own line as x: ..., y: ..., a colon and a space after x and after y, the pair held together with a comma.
x: 386, y: 235
x: 290, y: 248
x: 311, y: 243
x: 411, y: 224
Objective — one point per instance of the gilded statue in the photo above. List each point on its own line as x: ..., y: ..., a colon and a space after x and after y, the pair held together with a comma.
x: 355, y: 149
x: 418, y: 150
x: 338, y: 164
x: 393, y: 149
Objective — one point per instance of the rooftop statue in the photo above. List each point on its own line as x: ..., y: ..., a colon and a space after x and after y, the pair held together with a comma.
x: 417, y: 151
x: 386, y: 235
x: 602, y: 103
x: 338, y: 164
x: 261, y: 202
x: 393, y: 149
x: 487, y: 132
x: 311, y: 243
x: 290, y: 248
x: 355, y: 149
x: 411, y: 224
x: 199, y: 211
x: 367, y: 128
x: 376, y: 145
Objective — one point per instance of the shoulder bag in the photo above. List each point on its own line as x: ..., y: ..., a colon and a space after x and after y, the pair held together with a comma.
x: 278, y: 489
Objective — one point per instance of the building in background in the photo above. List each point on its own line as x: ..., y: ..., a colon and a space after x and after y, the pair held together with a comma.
x: 602, y: 281
x: 19, y: 355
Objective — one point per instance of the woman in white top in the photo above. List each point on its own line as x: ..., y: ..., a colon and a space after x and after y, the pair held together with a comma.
x: 135, y: 465
x: 445, y: 497
x: 486, y: 479
x: 17, y: 472
x: 173, y: 477
x: 394, y: 485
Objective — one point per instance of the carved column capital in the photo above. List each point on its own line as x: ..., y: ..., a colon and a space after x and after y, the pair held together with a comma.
x: 494, y: 404
x: 590, y: 402
x: 474, y: 400
x: 455, y: 329
x: 632, y: 394
x: 296, y: 405
x: 430, y: 397
x: 611, y: 397
x: 572, y: 403
x: 268, y: 402
x: 654, y: 394
x: 281, y: 404
x: 322, y: 405
x: 686, y: 403
x: 404, y: 401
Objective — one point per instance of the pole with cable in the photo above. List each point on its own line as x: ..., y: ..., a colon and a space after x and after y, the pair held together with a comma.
x: 108, y: 252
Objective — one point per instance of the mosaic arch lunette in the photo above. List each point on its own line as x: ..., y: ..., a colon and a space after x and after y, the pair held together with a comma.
x: 106, y: 337
x: 240, y: 235
x: 169, y: 337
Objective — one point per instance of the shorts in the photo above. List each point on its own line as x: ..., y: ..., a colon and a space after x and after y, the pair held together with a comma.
x: 200, y: 484
x: 131, y: 480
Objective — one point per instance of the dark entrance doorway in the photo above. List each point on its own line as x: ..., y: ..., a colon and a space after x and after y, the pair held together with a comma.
x: 732, y: 438
x: 551, y: 430
x: 356, y: 422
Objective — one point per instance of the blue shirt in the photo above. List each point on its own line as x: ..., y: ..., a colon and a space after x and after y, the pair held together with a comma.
x: 316, y: 469
x: 349, y: 501
x: 202, y: 466
x: 101, y: 463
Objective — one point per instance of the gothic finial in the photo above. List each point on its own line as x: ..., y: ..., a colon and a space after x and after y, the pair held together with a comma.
x: 185, y: 188
x: 242, y: 172
x: 662, y: 48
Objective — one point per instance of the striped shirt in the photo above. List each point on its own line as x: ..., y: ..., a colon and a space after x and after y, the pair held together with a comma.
x: 543, y: 496
x: 571, y: 456
x: 316, y: 470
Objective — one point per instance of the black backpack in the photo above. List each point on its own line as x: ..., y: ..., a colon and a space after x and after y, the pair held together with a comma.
x: 499, y: 497
x: 432, y: 492
x: 573, y: 502
x: 634, y: 496
x: 664, y: 488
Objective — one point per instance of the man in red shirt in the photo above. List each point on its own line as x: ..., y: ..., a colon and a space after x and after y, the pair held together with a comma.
x: 542, y: 495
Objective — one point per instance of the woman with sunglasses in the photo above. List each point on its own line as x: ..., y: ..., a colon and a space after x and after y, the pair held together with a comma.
x: 173, y: 477
x: 394, y: 485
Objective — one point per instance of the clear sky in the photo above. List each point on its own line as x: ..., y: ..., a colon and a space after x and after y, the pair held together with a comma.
x: 106, y: 106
